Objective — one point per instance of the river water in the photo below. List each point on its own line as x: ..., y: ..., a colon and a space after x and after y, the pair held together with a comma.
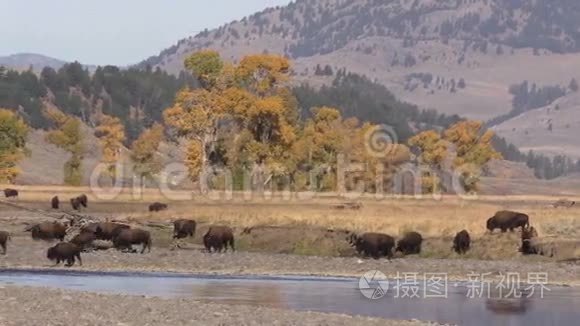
x: 461, y: 305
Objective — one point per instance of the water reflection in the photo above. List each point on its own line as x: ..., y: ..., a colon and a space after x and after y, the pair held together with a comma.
x: 560, y: 306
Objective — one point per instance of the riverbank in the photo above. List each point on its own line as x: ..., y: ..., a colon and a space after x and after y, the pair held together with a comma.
x: 24, y: 253
x: 26, y: 306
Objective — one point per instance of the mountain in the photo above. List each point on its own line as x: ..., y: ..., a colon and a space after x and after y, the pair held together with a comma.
x: 457, y: 56
x: 22, y: 61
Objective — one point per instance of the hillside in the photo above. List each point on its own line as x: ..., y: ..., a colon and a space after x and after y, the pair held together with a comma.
x: 459, y: 57
x: 22, y: 61
x: 552, y: 129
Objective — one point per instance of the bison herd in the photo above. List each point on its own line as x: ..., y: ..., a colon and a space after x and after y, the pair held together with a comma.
x: 376, y: 245
x: 221, y: 238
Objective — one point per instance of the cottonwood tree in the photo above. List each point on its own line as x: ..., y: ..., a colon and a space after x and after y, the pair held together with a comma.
x: 111, y: 134
x: 13, y: 133
x: 146, y: 164
x: 67, y: 134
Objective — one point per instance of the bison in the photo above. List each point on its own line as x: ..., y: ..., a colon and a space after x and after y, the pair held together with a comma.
x: 4, y: 238
x: 104, y: 230
x: 75, y: 204
x: 126, y: 238
x: 83, y: 200
x: 505, y: 220
x: 10, y: 193
x: 461, y: 242
x: 49, y: 231
x: 410, y: 244
x: 374, y: 245
x: 183, y: 228
x: 530, y: 244
x: 55, y: 202
x: 84, y: 240
x: 157, y: 207
x: 218, y: 238
x: 65, y: 251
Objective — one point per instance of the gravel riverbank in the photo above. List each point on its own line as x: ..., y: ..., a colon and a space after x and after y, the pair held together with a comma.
x: 24, y: 306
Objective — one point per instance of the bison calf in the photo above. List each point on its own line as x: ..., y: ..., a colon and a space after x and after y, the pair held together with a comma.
x: 126, y: 238
x: 410, y: 244
x: 4, y: 238
x: 461, y: 242
x: 64, y: 251
x: 505, y: 220
x: 218, y: 238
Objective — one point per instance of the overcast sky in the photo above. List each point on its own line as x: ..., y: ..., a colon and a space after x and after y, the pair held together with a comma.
x: 118, y: 32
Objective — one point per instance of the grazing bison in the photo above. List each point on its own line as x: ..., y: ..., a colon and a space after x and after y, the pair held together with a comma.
x: 410, y: 244
x: 84, y: 240
x: 65, y: 251
x: 75, y: 203
x: 374, y: 245
x: 218, y: 238
x: 10, y: 193
x: 461, y: 242
x: 49, y: 231
x: 55, y: 202
x: 157, y: 207
x: 104, y: 230
x: 505, y: 220
x: 183, y: 228
x: 83, y: 200
x: 126, y: 238
x: 4, y: 238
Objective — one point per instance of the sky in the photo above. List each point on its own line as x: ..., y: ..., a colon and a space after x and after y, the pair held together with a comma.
x: 116, y: 32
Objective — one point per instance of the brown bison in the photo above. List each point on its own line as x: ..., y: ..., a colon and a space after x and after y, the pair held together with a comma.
x: 49, y: 231
x: 374, y: 245
x: 530, y: 244
x: 218, y: 238
x: 84, y: 240
x: 183, y: 228
x: 4, y: 238
x: 104, y: 230
x: 410, y: 244
x: 75, y: 203
x: 10, y: 193
x: 461, y: 242
x: 157, y: 207
x: 126, y: 238
x: 55, y: 202
x: 64, y: 251
x: 83, y: 200
x: 505, y: 220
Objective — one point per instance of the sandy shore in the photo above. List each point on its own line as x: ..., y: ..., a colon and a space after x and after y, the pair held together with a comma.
x: 25, y: 253
x: 23, y: 306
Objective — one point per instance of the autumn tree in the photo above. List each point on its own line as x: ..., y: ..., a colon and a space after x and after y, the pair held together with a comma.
x: 13, y: 133
x: 146, y: 163
x: 111, y: 135
x: 433, y: 151
x: 473, y: 149
x: 67, y: 134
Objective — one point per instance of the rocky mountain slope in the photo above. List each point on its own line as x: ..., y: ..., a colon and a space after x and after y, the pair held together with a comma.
x: 23, y: 61
x: 458, y: 56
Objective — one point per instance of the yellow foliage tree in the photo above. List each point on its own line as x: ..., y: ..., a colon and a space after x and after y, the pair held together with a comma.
x: 143, y: 152
x: 13, y: 133
x: 111, y: 135
x: 68, y: 136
